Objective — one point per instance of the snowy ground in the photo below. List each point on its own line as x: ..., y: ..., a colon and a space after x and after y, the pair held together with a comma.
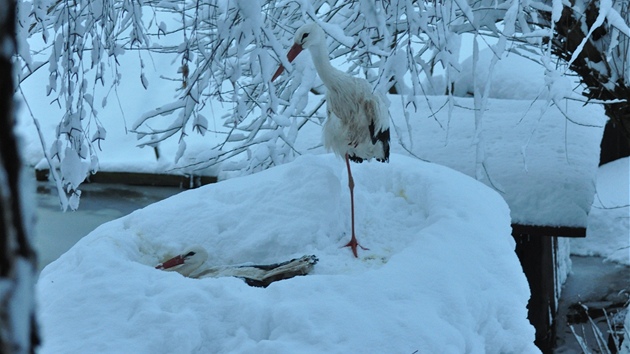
x: 601, y: 263
x: 590, y: 279
x: 609, y: 218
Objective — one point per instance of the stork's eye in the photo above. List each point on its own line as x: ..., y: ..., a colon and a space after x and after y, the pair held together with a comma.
x: 304, y: 36
x: 189, y: 254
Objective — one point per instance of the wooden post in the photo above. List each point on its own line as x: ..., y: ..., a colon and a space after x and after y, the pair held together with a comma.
x: 141, y: 179
x: 537, y: 250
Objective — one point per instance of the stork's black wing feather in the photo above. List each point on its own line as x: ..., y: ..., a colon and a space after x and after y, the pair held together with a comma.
x: 383, y: 137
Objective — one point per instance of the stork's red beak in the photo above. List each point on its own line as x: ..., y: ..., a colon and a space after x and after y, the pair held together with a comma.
x: 175, y: 261
x: 293, y: 52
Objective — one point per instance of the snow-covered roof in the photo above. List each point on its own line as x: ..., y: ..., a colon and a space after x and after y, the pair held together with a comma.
x: 440, y: 275
x: 541, y: 157
x: 543, y: 160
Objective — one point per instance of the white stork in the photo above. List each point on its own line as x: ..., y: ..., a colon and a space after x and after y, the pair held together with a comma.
x: 357, y: 127
x: 192, y: 264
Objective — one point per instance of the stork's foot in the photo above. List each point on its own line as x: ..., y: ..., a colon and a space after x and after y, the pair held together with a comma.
x: 353, y: 244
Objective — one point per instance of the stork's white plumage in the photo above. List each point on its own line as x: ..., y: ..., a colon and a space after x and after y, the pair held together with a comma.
x: 357, y: 126
x: 192, y: 264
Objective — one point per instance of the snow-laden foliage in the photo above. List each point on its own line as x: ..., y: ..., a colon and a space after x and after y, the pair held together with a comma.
x: 77, y: 43
x: 593, y: 38
x: 227, y: 50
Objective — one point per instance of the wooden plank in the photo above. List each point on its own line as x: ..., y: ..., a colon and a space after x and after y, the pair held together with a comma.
x: 538, y: 258
x: 550, y: 231
x: 143, y: 179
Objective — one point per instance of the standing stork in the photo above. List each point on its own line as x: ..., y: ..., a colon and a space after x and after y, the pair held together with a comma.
x: 357, y: 126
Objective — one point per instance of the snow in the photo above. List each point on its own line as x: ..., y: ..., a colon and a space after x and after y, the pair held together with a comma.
x: 441, y: 257
x: 117, y: 116
x: 541, y: 157
x: 440, y: 274
x: 527, y: 83
x: 532, y: 157
x: 608, y: 233
x: 545, y: 178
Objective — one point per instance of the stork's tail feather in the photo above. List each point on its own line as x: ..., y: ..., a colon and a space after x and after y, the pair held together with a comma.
x: 383, y: 137
x: 355, y: 158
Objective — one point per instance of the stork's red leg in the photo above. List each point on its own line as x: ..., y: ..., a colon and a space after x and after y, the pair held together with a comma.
x: 353, y: 241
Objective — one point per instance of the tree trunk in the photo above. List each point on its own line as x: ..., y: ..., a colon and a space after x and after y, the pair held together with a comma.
x: 614, y: 143
x: 599, y: 82
x: 18, y: 331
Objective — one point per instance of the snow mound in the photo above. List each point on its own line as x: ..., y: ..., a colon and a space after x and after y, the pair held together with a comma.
x: 440, y: 275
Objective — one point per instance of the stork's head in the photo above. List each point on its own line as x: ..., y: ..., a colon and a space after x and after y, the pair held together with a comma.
x: 306, y: 36
x: 186, y: 262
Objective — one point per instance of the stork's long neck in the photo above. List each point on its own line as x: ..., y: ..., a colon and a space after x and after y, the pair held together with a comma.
x: 329, y: 75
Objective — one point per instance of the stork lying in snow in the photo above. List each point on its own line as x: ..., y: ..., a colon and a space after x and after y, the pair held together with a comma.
x: 191, y: 264
x: 357, y: 127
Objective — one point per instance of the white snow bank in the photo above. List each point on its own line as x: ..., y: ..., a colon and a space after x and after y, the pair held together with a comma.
x: 514, y: 77
x: 441, y: 275
x: 608, y: 232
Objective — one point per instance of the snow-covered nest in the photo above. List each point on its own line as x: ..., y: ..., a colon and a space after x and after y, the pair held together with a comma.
x: 440, y: 275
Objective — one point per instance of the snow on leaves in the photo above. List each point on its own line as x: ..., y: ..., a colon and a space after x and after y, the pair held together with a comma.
x: 87, y: 39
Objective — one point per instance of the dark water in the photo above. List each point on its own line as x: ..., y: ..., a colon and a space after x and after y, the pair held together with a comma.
x: 57, y: 231
x: 604, y: 289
